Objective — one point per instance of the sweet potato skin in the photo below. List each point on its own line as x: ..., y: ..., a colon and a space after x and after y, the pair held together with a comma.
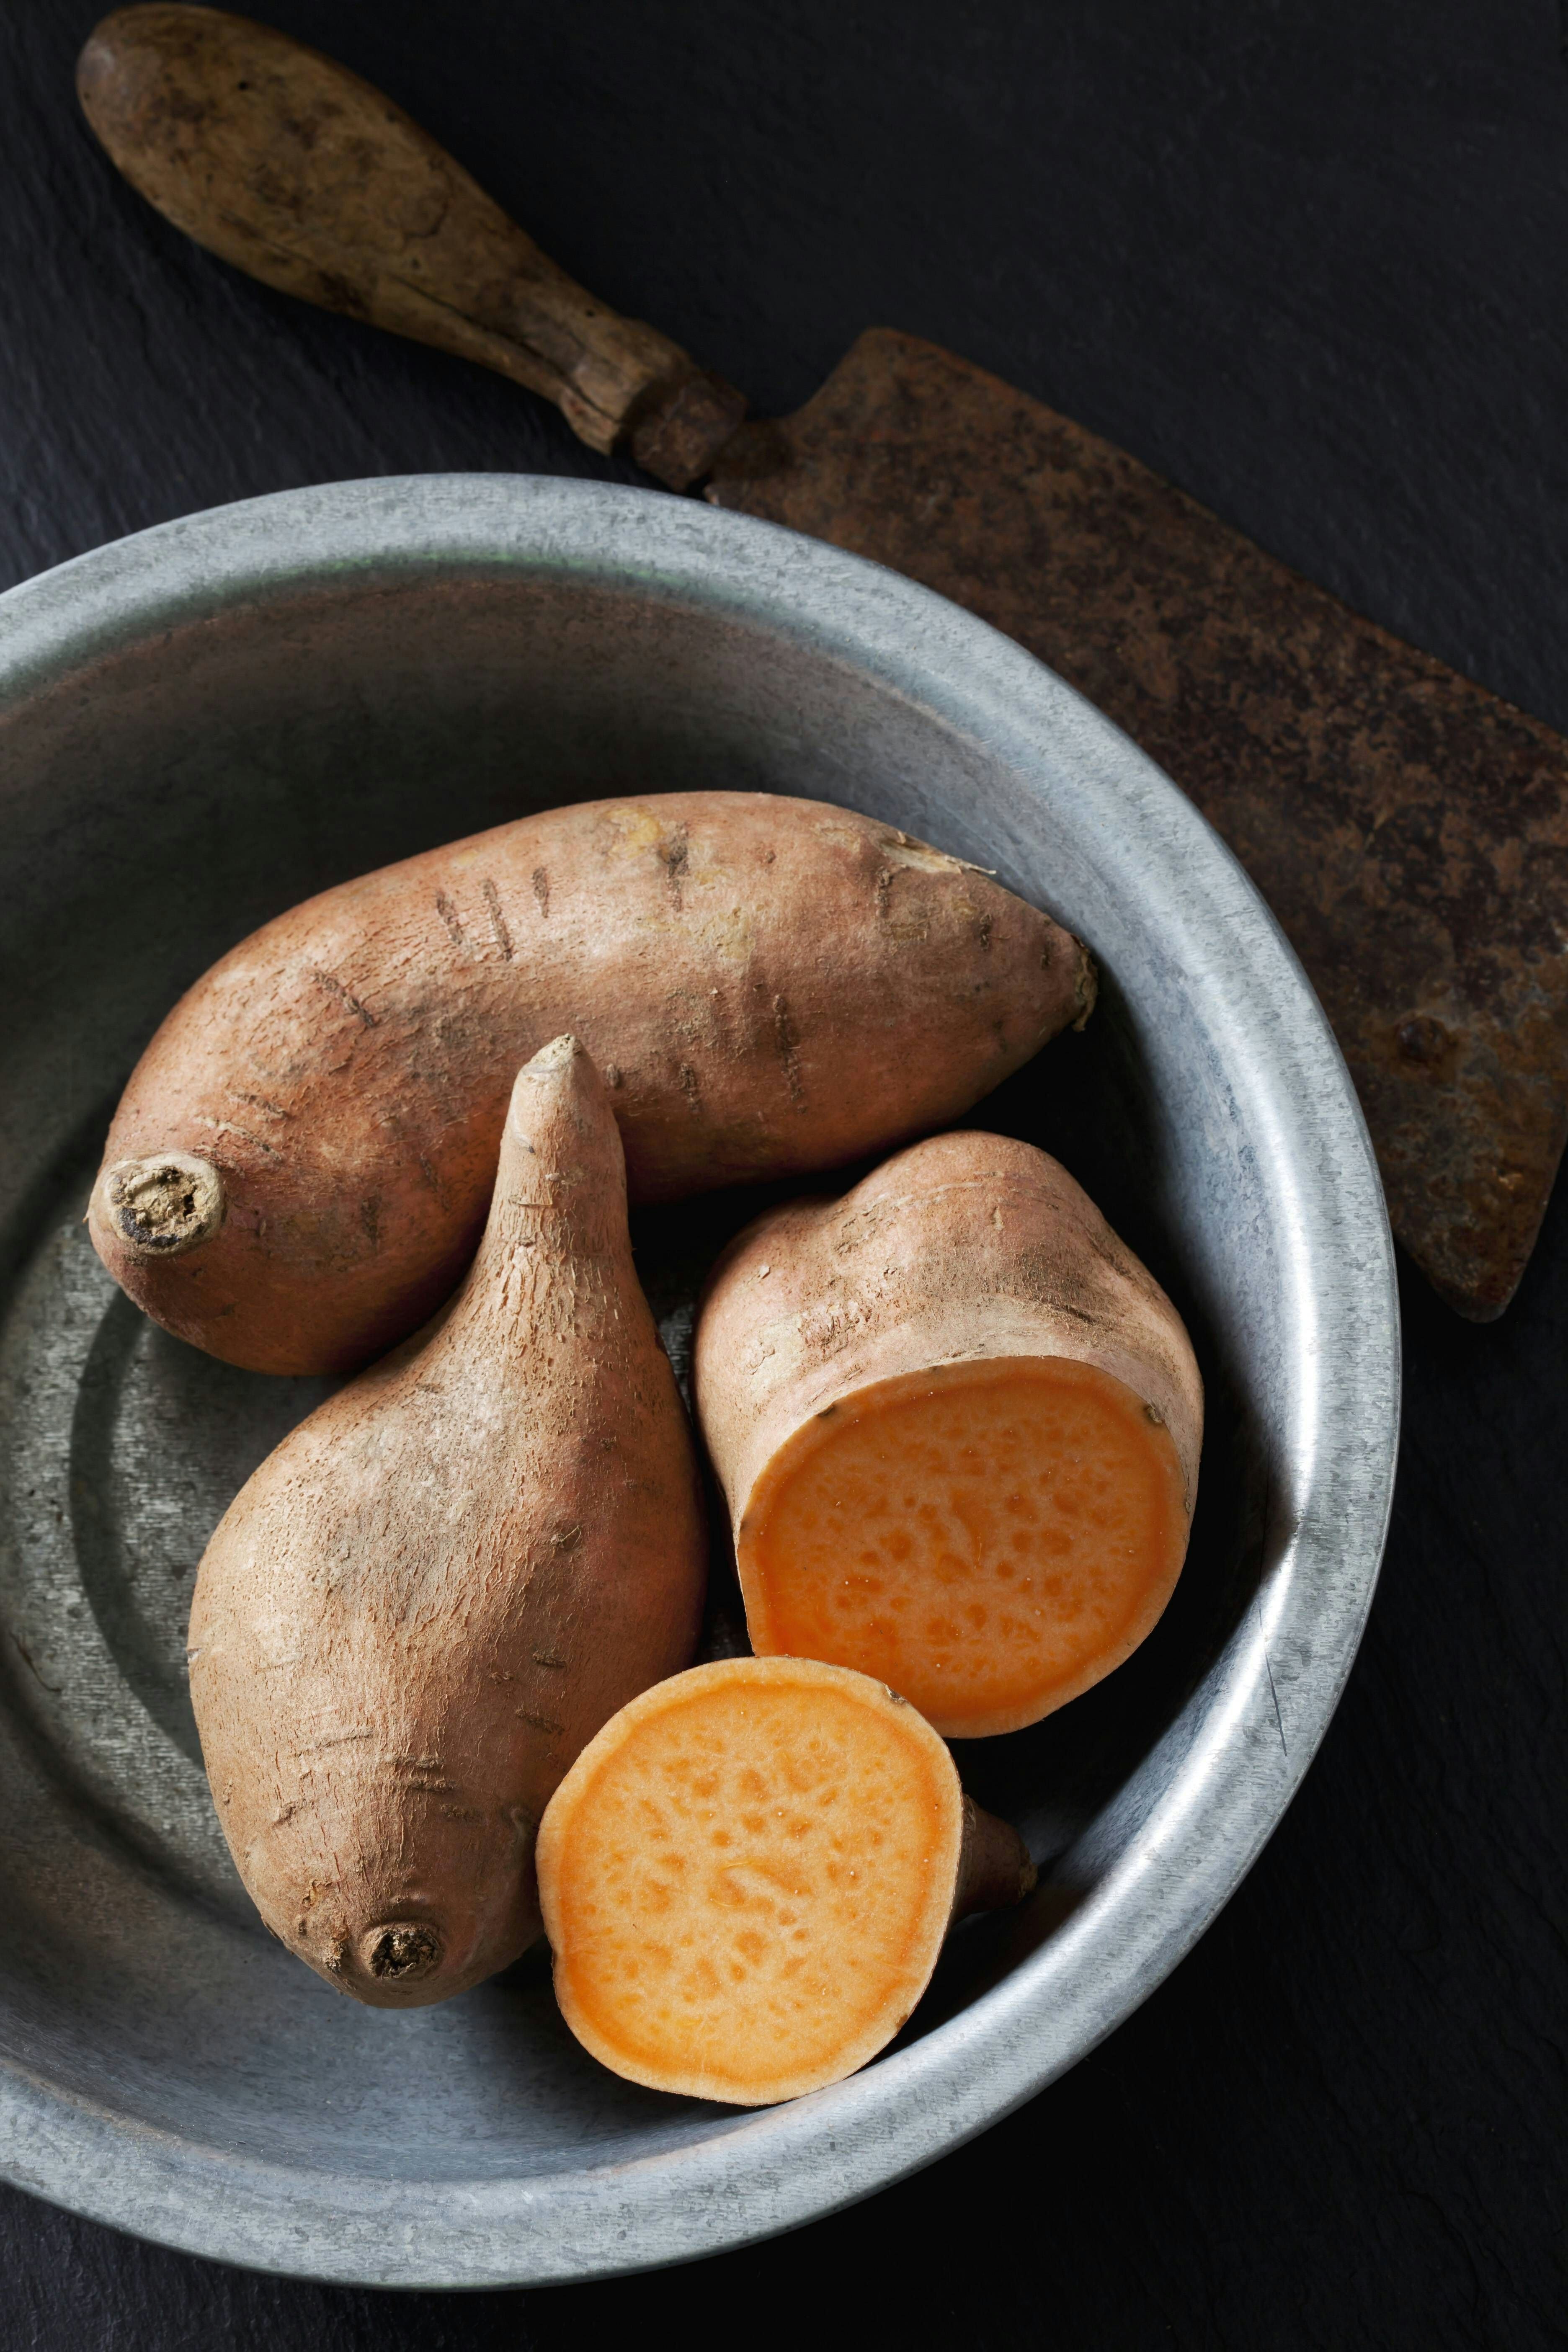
x: 964, y: 1249
x: 438, y: 1588
x: 770, y: 986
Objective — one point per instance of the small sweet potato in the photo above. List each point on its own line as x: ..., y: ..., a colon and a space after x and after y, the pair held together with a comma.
x: 958, y: 1426
x: 441, y: 1584
x: 747, y: 1876
x: 298, y: 1169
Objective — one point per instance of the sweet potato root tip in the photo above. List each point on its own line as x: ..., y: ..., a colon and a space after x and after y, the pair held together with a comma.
x: 1086, y: 989
x: 162, y: 1205
x: 544, y: 1066
x: 402, y: 1952
x: 746, y: 1878
x: 977, y: 1540
x: 995, y: 1870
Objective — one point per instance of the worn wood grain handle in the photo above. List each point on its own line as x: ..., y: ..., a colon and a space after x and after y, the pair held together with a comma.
x: 292, y: 168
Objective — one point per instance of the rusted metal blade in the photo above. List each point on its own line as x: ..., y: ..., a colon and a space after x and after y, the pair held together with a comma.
x: 1409, y: 829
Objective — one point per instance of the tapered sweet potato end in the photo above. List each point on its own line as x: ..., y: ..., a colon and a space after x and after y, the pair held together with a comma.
x: 395, y: 1953
x: 415, y: 1925
x: 203, y: 1249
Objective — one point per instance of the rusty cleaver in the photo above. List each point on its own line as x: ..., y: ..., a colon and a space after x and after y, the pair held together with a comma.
x: 1409, y: 830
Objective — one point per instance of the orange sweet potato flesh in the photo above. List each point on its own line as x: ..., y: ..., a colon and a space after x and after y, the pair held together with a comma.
x: 747, y: 1876
x: 436, y: 1589
x: 769, y: 986
x: 958, y: 1426
x: 978, y: 1536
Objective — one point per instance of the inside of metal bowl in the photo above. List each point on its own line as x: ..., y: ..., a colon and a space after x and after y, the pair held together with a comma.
x: 179, y: 782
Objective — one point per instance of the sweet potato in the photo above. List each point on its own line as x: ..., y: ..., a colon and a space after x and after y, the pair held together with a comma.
x: 957, y: 1424
x: 435, y: 1590
x: 747, y: 1876
x: 299, y: 1170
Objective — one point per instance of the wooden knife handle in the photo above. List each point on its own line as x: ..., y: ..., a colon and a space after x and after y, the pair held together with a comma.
x: 292, y: 168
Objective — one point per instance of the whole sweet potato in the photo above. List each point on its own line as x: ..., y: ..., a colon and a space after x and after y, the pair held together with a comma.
x: 421, y: 1606
x: 298, y: 1169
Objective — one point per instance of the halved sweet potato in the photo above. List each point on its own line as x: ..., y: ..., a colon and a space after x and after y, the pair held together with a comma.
x: 958, y: 1427
x: 747, y: 1876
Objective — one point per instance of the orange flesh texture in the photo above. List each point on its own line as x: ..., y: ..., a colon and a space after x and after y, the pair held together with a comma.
x: 987, y: 1539
x: 751, y: 1889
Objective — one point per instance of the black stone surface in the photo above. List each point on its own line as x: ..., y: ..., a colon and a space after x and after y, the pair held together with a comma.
x: 1308, y: 259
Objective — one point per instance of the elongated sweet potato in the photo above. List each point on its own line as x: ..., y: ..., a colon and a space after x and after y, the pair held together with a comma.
x: 958, y: 1426
x: 422, y: 1605
x: 299, y: 1167
x: 747, y: 1876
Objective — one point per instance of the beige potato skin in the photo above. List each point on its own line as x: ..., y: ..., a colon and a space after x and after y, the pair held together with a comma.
x: 968, y: 1247
x: 436, y: 1589
x: 770, y: 986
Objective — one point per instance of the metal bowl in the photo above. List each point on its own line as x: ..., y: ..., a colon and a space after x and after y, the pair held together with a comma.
x: 206, y: 723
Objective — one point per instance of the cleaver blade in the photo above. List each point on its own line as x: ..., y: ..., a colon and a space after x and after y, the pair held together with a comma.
x: 1409, y: 829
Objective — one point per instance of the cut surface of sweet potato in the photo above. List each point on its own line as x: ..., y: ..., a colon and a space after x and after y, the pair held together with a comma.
x: 958, y: 1427
x: 984, y: 1537
x: 747, y: 1876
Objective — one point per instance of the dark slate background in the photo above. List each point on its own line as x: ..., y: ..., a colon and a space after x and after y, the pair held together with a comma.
x: 1310, y: 258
